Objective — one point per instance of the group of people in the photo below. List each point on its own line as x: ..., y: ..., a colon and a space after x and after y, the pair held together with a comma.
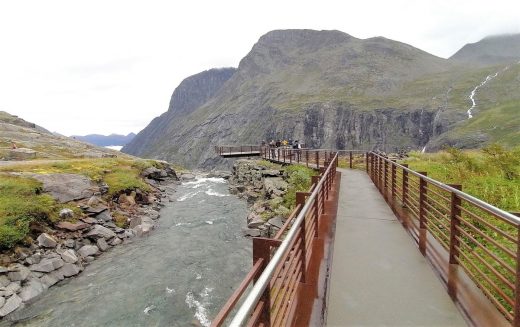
x: 284, y: 144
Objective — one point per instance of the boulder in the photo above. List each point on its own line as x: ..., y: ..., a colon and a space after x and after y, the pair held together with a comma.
x: 10, y: 289
x: 153, y: 173
x: 2, y: 301
x: 99, y: 231
x: 187, y: 177
x: 116, y: 241
x: 88, y: 250
x: 255, y: 223
x: 89, y: 220
x: 47, y: 241
x: 47, y: 265
x: 69, y: 243
x: 57, y: 274
x: 93, y: 201
x: 10, y: 305
x: 140, y: 220
x: 69, y: 256
x: 252, y: 232
x: 66, y: 213
x: 31, y: 290
x: 102, y: 244
x: 48, y: 280
x: 143, y: 229
x: 276, y: 222
x: 18, y: 272
x: 69, y: 270
x: 95, y: 210
x: 271, y: 173
x: 72, y: 226
x: 67, y: 187
x: 34, y: 259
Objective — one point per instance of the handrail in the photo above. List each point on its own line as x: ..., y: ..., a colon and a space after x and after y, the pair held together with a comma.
x: 256, y: 293
x: 497, y: 211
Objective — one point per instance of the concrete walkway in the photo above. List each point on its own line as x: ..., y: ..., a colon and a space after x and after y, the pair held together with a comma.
x: 379, y: 277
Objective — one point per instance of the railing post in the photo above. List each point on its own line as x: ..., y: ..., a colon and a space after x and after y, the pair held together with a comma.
x: 455, y: 213
x: 405, y: 185
x: 262, y: 250
x: 318, y: 159
x: 290, y: 156
x: 422, y: 213
x: 385, y: 182
x: 366, y: 161
x: 393, y: 178
x: 350, y: 159
x: 307, y: 158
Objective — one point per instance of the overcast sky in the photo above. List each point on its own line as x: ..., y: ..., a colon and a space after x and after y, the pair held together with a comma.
x: 80, y: 67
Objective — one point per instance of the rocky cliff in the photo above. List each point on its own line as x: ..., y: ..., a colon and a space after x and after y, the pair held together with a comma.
x: 326, y: 89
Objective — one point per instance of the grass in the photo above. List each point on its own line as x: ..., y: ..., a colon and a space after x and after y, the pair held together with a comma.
x: 22, y: 201
x: 299, y: 180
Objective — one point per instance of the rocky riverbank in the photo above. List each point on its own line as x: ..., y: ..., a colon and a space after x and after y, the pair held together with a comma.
x: 98, y: 221
x: 264, y: 186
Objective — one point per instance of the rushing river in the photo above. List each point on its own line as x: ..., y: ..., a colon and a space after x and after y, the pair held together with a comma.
x: 180, y: 275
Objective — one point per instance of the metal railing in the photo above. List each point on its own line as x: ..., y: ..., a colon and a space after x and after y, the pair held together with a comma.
x: 480, y: 239
x: 223, y: 150
x: 281, y: 267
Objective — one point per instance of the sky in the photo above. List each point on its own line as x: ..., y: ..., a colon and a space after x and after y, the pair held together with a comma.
x: 83, y: 67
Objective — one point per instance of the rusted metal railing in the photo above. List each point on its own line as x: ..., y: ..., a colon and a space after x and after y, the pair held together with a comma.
x: 285, y: 265
x: 478, y: 239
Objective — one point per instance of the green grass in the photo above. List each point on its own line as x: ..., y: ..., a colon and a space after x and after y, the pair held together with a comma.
x: 21, y: 203
x: 299, y: 179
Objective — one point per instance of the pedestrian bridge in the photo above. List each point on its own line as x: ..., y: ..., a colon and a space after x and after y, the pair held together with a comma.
x: 378, y: 244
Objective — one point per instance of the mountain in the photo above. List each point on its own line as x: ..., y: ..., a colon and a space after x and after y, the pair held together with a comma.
x: 105, y: 140
x: 498, y: 49
x: 329, y: 90
x: 35, y: 142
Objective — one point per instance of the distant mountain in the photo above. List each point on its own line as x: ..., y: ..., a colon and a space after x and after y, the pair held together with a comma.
x: 332, y: 90
x: 106, y: 140
x: 498, y: 49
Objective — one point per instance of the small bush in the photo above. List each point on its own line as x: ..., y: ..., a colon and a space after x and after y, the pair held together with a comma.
x: 299, y: 179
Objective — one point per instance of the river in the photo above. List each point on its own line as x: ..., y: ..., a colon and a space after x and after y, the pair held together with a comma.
x: 180, y: 275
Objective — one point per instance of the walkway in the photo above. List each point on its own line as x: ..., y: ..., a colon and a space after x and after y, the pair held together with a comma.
x: 379, y: 277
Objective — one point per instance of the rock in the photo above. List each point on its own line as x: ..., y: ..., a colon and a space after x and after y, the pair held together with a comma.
x: 102, y: 244
x: 271, y: 173
x: 36, y: 274
x: 67, y: 187
x: 254, y: 223
x: 89, y: 220
x: 57, y: 274
x: 99, y: 231
x: 72, y: 226
x: 104, y: 216
x: 251, y: 232
x: 10, y: 289
x: 66, y: 213
x: 31, y: 290
x: 116, y: 241
x: 2, y: 301
x: 95, y: 210
x: 93, y: 201
x: 69, y: 243
x: 187, y: 177
x: 89, y: 259
x: 276, y: 222
x: 48, y: 280
x: 18, y: 272
x: 154, y: 214
x: 69, y: 270
x: 34, y: 259
x: 47, y: 265
x: 143, y: 229
x: 140, y: 220
x: 3, y: 270
x: 153, y: 173
x: 45, y: 240
x: 10, y: 305
x: 88, y: 250
x: 4, y: 281
x: 69, y: 256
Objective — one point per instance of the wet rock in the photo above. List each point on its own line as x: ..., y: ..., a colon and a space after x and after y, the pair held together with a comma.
x: 69, y: 256
x: 47, y: 265
x: 66, y: 213
x: 143, y: 229
x: 72, y: 226
x: 187, y: 177
x: 45, y: 240
x: 154, y: 214
x: 102, y: 244
x: 140, y: 220
x: 67, y: 187
x: 10, y: 289
x: 31, y: 290
x: 10, y: 305
x: 70, y: 269
x: 88, y: 250
x: 17, y: 272
x: 255, y: 223
x: 99, y: 231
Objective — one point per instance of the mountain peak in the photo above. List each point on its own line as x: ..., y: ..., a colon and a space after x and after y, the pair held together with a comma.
x: 491, y: 50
